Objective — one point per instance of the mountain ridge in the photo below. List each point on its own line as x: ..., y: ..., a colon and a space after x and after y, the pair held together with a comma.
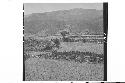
x: 79, y: 20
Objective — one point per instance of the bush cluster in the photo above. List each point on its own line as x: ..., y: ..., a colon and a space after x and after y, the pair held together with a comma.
x: 31, y: 44
x: 40, y: 45
x: 68, y: 39
x: 76, y: 56
x: 36, y: 45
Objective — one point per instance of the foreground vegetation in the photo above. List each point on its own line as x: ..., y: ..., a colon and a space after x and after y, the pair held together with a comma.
x: 37, y: 69
x: 55, y: 60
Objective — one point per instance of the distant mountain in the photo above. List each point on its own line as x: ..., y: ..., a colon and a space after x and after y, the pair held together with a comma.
x: 78, y: 19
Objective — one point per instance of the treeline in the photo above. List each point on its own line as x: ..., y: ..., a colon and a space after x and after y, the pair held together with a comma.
x: 76, y: 56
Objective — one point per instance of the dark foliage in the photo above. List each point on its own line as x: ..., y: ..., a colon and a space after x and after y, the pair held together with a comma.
x: 38, y: 45
x: 56, y: 42
x: 76, y: 56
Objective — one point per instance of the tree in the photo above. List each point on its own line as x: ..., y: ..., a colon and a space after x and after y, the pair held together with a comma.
x: 64, y: 33
x: 56, y: 42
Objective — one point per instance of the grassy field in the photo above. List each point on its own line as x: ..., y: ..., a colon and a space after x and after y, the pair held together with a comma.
x: 72, y: 61
x: 53, y: 70
x: 83, y: 47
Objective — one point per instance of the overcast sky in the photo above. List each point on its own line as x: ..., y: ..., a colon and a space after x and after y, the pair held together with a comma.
x: 48, y: 7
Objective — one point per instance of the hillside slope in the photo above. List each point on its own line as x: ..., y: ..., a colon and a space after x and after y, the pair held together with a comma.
x: 78, y: 19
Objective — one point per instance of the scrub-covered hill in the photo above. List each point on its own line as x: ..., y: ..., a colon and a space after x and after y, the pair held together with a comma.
x: 78, y: 19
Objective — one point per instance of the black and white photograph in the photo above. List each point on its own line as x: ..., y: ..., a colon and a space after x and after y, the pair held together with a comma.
x: 64, y: 42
